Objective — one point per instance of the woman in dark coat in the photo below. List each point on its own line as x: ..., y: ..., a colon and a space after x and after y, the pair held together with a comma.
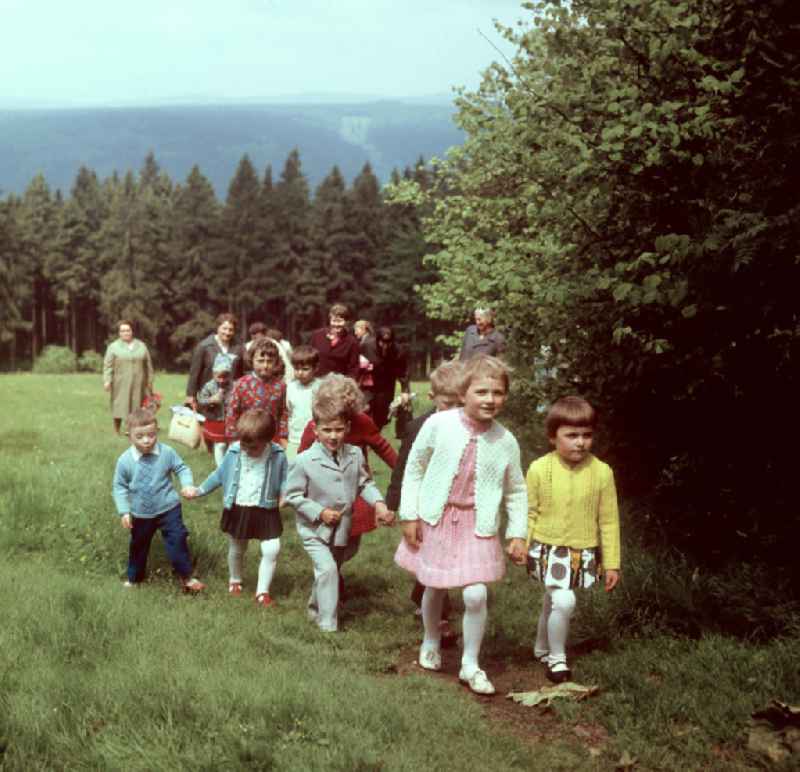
x: 389, y: 366
x: 220, y: 342
x: 337, y: 346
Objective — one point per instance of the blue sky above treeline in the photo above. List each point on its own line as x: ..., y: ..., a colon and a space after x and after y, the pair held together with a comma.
x: 94, y: 53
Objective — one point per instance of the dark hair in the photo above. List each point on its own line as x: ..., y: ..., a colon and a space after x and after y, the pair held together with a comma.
x: 124, y: 321
x: 270, y: 348
x: 255, y: 425
x: 256, y: 328
x: 226, y: 317
x: 385, y: 333
x: 304, y: 355
x: 569, y: 411
x: 142, y: 416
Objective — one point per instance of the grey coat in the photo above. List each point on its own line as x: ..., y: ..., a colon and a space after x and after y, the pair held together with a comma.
x: 317, y: 482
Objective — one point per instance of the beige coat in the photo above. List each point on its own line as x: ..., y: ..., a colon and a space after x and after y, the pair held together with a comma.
x: 130, y: 373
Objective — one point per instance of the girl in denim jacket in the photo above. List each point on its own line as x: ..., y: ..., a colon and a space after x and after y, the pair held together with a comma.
x: 253, y: 479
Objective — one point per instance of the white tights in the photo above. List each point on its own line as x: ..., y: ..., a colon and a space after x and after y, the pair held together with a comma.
x: 553, y: 628
x: 266, y: 568
x: 473, y: 626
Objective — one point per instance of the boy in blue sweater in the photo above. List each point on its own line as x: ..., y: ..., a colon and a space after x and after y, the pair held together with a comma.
x: 146, y: 500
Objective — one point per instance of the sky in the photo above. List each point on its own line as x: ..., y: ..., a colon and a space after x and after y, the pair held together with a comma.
x: 58, y: 53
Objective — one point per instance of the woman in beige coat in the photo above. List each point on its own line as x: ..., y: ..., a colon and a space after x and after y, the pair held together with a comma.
x: 127, y: 373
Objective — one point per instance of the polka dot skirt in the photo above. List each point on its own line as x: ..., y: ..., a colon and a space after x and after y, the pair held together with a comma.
x: 563, y: 567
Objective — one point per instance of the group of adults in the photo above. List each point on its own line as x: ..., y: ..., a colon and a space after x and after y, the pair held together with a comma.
x: 371, y: 356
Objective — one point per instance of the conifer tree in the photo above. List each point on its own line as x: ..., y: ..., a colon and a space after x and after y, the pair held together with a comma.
x: 196, y: 237
x: 289, y: 302
x: 36, y: 218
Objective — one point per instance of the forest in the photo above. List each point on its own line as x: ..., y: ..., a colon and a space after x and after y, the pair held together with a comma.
x: 171, y: 257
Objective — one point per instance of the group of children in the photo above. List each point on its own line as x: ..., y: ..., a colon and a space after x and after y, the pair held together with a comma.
x: 457, y: 471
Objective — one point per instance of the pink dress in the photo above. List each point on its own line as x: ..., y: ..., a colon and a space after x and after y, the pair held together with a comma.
x: 451, y: 553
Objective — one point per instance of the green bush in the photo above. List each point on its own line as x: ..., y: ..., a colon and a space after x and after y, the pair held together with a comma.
x: 90, y: 362
x: 56, y: 360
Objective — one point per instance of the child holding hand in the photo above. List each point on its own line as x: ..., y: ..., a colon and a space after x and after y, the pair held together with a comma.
x: 573, y: 526
x: 146, y: 500
x: 253, y: 479
x: 323, y: 484
x: 463, y: 469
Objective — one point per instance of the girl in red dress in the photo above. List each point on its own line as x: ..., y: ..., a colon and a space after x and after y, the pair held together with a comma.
x: 263, y: 387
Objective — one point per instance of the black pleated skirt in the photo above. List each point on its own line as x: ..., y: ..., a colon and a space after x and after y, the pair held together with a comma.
x: 251, y: 523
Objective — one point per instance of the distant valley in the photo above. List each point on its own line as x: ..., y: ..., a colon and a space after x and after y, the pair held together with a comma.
x: 388, y: 134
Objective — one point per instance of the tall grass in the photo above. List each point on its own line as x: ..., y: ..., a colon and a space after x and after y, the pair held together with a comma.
x: 96, y: 677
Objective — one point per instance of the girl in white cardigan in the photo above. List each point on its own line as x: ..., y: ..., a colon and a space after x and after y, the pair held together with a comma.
x: 463, y: 469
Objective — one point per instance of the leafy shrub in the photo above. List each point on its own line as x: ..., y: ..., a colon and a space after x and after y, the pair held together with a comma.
x: 55, y: 360
x: 90, y: 362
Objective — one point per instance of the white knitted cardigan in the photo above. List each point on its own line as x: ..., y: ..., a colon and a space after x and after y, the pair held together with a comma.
x: 433, y: 464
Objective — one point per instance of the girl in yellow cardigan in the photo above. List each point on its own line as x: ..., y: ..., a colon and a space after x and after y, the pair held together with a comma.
x: 573, y: 526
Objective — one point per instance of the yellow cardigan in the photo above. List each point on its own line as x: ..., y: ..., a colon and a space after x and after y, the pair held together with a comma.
x: 574, y: 506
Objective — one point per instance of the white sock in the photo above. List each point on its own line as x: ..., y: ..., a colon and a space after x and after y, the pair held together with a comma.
x: 266, y: 568
x: 432, y: 600
x: 562, y: 607
x: 473, y: 626
x: 236, y: 550
x: 541, y: 649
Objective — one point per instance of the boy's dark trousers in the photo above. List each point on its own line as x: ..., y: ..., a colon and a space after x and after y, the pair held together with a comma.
x: 174, y: 533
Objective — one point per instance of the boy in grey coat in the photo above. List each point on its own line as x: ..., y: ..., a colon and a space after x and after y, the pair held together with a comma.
x: 322, y: 486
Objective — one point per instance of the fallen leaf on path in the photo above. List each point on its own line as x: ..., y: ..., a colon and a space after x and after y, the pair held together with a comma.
x: 547, y: 694
x: 775, y: 732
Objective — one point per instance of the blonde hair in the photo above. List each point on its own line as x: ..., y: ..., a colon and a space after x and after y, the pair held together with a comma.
x: 484, y: 366
x: 446, y: 378
x: 366, y: 325
x: 337, y: 397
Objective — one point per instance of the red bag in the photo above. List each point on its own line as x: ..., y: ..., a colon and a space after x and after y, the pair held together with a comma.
x: 363, y: 518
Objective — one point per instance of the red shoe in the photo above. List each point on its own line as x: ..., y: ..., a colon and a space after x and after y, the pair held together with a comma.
x: 193, y: 586
x: 264, y: 600
x: 234, y: 588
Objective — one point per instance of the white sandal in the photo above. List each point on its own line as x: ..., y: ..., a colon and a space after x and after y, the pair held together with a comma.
x: 430, y: 659
x: 477, y: 682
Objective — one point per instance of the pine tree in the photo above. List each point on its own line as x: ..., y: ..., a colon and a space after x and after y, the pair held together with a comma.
x: 196, y: 237
x: 36, y: 218
x: 291, y: 307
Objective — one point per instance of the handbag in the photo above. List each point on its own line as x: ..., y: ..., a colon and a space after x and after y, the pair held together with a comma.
x: 185, y: 428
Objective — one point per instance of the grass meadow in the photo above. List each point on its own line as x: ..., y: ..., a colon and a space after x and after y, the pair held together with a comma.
x: 93, y: 676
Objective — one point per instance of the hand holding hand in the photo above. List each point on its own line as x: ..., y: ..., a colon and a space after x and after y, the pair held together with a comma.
x: 516, y: 551
x: 383, y: 515
x: 412, y: 533
x: 126, y: 522
x: 612, y: 578
x: 330, y: 516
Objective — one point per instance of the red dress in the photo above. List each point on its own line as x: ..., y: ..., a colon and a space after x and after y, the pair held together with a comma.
x: 364, y: 434
x: 250, y: 391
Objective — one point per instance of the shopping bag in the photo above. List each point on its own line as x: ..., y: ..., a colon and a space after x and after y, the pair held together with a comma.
x: 185, y: 427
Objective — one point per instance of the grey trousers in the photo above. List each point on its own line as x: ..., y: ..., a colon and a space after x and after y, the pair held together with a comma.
x: 323, y: 603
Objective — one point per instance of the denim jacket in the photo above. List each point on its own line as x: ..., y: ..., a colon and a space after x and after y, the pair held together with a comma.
x: 227, y: 475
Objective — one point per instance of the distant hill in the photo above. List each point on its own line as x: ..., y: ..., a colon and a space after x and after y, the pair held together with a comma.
x: 390, y: 134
